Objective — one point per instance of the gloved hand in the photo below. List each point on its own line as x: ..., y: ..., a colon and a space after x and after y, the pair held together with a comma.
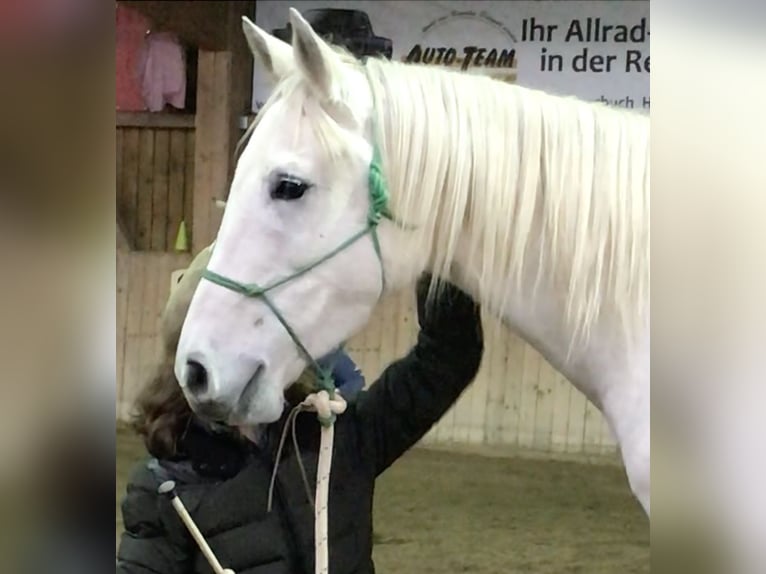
x: 451, y: 317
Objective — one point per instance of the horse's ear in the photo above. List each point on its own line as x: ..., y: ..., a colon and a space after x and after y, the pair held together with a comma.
x: 276, y: 55
x: 314, y: 57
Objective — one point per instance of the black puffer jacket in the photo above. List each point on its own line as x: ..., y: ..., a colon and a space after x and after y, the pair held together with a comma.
x: 224, y: 482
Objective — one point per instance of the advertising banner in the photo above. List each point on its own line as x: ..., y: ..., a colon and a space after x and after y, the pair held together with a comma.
x: 594, y: 50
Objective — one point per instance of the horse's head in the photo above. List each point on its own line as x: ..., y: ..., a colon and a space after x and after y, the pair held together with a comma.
x: 300, y: 194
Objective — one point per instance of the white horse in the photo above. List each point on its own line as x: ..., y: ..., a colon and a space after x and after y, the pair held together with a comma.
x: 536, y: 205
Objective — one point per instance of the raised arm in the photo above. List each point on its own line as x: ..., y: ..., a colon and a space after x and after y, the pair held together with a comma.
x: 413, y: 393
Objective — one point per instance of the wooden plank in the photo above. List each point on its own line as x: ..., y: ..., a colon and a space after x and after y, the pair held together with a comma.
x: 123, y: 241
x: 224, y: 136
x: 223, y: 93
x: 495, y: 359
x: 123, y: 237
x: 461, y: 420
x: 147, y: 276
x: 475, y: 425
x: 159, y: 228
x: 166, y: 266
x: 544, y: 406
x: 188, y: 210
x: 354, y: 350
x: 135, y: 286
x: 175, y: 186
x: 476, y: 395
x: 145, y: 189
x: 373, y: 336
x: 171, y: 263
x: 592, y: 431
x: 445, y: 429
x: 127, y: 200
x: 118, y: 134
x: 455, y: 425
x: 561, y: 411
x: 356, y: 347
x: 387, y: 332
x: 205, y: 153
x: 147, y: 355
x: 122, y: 279
x: 512, y: 399
x: 239, y: 95
x: 529, y: 379
x: 489, y: 421
x: 132, y: 328
x: 411, y: 327
x: 399, y: 312
x: 575, y: 432
x: 408, y: 323
x: 154, y: 120
x: 608, y: 442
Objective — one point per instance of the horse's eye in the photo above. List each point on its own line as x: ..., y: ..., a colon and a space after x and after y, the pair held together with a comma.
x: 289, y: 189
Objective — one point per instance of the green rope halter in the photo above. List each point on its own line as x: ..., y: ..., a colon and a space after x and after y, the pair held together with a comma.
x: 378, y: 210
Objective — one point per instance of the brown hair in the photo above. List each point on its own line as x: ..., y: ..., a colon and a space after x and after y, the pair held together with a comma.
x: 161, y: 413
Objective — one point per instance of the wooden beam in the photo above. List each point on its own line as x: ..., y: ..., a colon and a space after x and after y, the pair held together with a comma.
x: 223, y: 96
x: 154, y: 120
x: 123, y: 240
x: 198, y: 23
x: 242, y: 77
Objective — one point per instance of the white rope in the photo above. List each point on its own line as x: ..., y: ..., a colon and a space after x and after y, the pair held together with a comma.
x: 327, y: 409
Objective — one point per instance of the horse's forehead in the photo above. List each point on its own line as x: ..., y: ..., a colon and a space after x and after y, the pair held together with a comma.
x: 281, y: 120
x: 286, y: 133
x: 283, y: 146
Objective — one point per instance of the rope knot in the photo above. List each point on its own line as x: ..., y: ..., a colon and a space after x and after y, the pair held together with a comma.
x: 378, y: 194
x: 326, y: 407
x: 252, y: 290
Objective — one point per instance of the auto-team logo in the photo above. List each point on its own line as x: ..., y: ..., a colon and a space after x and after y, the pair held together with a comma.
x: 449, y: 41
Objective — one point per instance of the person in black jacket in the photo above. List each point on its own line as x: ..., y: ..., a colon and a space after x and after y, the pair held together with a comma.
x: 223, y: 478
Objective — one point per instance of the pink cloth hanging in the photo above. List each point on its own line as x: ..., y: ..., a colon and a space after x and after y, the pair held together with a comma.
x: 131, y: 36
x: 163, y: 72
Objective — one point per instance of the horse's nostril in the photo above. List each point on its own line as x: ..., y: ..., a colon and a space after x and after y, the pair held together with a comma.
x: 196, y: 378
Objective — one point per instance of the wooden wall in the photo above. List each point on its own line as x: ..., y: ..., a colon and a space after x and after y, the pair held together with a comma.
x: 155, y: 178
x: 143, y: 285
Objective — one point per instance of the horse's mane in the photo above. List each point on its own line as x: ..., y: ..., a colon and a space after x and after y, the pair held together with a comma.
x: 493, y: 166
x: 486, y: 166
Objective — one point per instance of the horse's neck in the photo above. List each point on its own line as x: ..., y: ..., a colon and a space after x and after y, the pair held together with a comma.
x: 535, y: 310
